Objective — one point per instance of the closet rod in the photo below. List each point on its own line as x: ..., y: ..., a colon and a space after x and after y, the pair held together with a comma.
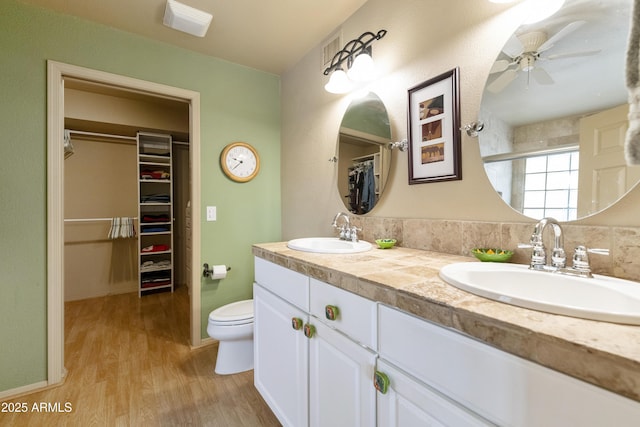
x: 102, y: 135
x: 109, y: 135
x: 92, y: 219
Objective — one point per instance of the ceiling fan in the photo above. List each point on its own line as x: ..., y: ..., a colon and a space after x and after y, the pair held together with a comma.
x: 525, y: 51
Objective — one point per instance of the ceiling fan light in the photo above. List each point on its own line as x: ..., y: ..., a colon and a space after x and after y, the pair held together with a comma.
x: 338, y: 82
x: 186, y: 18
x: 542, y: 9
x: 362, y: 69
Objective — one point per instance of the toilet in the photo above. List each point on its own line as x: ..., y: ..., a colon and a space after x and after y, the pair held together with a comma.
x: 232, y: 326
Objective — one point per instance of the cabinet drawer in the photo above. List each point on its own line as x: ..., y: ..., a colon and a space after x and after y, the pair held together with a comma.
x: 356, y: 316
x: 501, y: 387
x: 288, y: 284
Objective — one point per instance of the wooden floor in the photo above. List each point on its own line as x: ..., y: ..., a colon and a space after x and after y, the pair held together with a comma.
x: 129, y: 364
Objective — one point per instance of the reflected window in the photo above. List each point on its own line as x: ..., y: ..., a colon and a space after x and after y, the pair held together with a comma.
x: 551, y: 186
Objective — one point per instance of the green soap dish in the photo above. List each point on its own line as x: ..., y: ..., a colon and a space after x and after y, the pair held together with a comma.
x: 386, y: 243
x: 492, y: 254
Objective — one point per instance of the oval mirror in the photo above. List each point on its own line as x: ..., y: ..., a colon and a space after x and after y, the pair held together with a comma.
x: 555, y: 113
x: 364, y: 157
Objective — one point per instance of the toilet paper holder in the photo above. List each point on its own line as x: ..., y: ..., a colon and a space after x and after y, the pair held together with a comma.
x: 208, y: 271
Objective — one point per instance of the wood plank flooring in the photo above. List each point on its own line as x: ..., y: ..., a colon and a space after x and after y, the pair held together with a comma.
x: 130, y: 364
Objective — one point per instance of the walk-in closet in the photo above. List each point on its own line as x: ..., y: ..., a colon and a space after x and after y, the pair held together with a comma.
x: 126, y: 192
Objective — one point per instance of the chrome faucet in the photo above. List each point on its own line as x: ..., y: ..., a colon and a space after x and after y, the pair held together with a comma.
x: 539, y: 255
x: 346, y: 231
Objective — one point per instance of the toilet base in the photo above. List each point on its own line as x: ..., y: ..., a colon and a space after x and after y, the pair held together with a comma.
x: 234, y: 357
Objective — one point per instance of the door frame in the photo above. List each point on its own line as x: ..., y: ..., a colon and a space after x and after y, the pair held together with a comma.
x: 56, y: 73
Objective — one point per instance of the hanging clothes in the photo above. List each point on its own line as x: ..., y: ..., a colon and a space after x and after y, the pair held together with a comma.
x: 369, y: 189
x: 362, y: 191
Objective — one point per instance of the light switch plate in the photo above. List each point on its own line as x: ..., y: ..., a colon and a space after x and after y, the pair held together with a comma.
x: 211, y: 213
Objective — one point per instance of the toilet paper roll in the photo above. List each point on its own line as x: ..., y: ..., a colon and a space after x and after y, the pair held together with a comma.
x: 219, y: 272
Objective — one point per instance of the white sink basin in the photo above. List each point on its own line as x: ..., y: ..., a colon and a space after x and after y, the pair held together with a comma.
x: 328, y: 245
x: 598, y: 298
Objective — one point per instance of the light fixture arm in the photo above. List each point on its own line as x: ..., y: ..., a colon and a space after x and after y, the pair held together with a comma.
x: 352, y: 49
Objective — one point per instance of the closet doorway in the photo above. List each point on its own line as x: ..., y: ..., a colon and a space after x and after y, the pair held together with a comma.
x: 63, y: 77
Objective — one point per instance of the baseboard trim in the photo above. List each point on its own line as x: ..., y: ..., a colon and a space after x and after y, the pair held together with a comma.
x: 26, y: 389
x: 205, y: 342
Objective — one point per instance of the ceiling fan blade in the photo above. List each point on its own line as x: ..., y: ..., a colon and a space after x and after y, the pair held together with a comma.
x: 573, y: 54
x: 502, y: 81
x: 568, y: 29
x: 500, y: 66
x: 541, y: 76
x: 513, y: 47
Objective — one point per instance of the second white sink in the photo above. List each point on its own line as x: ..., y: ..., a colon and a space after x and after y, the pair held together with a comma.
x: 328, y: 245
x: 598, y: 298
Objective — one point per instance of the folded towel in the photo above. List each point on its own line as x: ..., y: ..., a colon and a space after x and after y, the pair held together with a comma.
x: 632, y: 142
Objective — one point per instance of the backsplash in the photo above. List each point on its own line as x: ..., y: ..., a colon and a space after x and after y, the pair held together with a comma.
x: 459, y: 237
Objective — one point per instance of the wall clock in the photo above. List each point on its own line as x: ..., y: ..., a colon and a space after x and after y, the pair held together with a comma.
x: 240, y: 161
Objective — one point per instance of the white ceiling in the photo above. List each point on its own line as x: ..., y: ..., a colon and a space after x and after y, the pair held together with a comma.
x: 268, y: 35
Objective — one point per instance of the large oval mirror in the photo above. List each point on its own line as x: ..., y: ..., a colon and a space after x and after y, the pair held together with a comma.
x: 364, y: 156
x: 555, y: 113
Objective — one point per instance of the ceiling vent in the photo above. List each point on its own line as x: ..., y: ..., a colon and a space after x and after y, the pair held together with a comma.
x: 330, y: 48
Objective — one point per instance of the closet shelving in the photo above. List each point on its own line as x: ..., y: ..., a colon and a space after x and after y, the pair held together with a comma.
x: 155, y: 212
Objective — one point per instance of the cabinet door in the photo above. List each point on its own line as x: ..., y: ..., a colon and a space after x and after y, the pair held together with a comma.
x: 340, y: 380
x: 280, y: 358
x: 409, y: 403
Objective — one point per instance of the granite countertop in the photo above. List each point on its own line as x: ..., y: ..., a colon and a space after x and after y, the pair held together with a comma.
x: 601, y: 353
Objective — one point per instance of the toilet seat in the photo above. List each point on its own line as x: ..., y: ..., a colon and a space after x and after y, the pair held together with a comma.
x: 236, y: 313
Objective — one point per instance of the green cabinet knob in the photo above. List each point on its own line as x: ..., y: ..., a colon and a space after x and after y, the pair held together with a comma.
x: 296, y: 323
x: 381, y: 382
x: 309, y: 330
x: 331, y: 312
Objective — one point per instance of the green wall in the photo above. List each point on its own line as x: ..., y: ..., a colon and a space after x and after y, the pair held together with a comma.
x: 237, y: 104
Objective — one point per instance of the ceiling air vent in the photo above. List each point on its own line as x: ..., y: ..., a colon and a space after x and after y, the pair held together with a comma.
x: 330, y: 48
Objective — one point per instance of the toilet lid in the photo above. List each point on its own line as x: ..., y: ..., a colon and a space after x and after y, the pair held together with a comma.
x: 241, y: 310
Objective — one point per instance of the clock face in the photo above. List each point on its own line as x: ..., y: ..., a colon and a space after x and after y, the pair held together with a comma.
x: 240, y: 161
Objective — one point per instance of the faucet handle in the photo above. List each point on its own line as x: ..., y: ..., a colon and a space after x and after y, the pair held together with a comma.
x: 598, y: 251
x: 344, y: 231
x: 538, y: 255
x: 581, y: 258
x: 354, y: 233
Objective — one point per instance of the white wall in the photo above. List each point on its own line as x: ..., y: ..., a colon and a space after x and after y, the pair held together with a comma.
x: 425, y: 38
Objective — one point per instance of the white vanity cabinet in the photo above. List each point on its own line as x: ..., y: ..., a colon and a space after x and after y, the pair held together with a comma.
x: 317, y: 375
x: 281, y: 350
x: 501, y: 388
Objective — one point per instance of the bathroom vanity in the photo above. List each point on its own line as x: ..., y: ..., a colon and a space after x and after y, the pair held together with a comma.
x: 377, y: 338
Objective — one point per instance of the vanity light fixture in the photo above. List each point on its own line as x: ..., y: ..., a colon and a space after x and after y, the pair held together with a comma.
x: 355, y: 56
x: 186, y: 18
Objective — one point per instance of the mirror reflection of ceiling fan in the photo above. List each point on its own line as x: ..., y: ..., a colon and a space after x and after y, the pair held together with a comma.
x: 525, y: 52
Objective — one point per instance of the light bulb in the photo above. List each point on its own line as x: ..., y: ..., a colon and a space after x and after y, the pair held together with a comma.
x: 338, y: 82
x: 362, y: 69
